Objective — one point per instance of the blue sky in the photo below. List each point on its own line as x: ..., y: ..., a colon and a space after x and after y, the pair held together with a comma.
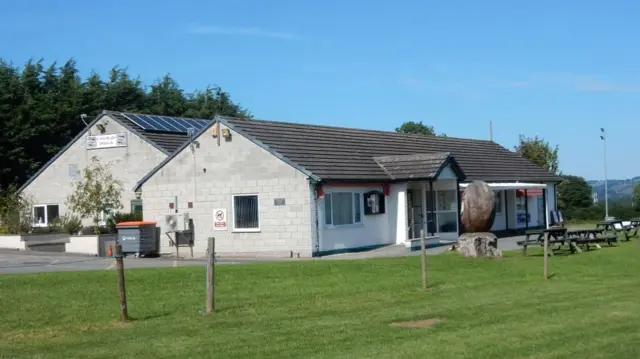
x: 557, y: 69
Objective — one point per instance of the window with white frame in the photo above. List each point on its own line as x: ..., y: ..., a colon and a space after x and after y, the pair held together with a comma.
x: 44, y: 214
x: 245, y: 213
x: 446, y: 211
x: 342, y: 208
x: 102, y: 218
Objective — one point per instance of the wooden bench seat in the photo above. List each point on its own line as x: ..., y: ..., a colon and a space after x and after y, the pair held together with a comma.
x: 609, y: 238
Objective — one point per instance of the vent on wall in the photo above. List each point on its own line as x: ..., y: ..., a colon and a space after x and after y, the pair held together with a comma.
x: 74, y: 172
x: 177, y: 222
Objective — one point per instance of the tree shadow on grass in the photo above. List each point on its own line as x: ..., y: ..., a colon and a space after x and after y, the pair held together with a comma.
x: 556, y: 253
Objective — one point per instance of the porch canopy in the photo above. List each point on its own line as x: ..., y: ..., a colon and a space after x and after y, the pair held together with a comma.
x: 511, y: 185
x: 523, y: 190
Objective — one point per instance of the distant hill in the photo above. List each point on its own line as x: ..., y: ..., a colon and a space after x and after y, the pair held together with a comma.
x: 617, y: 188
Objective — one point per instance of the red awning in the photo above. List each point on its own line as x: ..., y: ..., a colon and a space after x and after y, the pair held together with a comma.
x: 534, y: 192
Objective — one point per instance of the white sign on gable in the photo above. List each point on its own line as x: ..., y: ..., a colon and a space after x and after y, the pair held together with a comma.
x: 107, y: 141
x: 219, y: 219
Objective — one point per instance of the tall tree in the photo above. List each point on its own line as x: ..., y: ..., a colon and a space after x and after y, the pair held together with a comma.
x: 166, y: 98
x: 636, y: 195
x: 574, y: 192
x: 40, y: 108
x: 416, y: 128
x: 538, y: 151
x: 11, y: 99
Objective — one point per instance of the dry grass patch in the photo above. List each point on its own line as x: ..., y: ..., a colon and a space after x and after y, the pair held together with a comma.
x: 425, y: 323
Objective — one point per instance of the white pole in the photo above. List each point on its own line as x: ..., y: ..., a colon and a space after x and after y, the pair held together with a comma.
x: 606, y: 188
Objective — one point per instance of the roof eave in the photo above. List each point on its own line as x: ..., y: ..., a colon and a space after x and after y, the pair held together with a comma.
x: 221, y: 120
x: 62, y: 151
x: 455, y: 167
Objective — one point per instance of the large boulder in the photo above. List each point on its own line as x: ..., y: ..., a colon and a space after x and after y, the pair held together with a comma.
x: 478, y: 207
x: 478, y: 245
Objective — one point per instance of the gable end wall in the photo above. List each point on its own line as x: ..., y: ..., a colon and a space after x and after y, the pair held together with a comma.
x: 210, y: 176
x: 128, y: 164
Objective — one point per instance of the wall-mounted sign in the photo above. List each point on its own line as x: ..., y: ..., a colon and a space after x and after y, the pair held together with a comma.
x: 107, y: 141
x: 219, y: 219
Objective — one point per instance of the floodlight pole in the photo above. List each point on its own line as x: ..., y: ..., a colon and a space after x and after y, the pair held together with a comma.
x: 606, y: 188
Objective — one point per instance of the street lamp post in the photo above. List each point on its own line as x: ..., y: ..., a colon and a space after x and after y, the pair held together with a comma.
x: 603, y: 137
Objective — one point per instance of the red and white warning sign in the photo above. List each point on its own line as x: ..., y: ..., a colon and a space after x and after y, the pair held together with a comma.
x: 219, y: 219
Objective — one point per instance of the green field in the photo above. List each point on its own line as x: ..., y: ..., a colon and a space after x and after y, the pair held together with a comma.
x: 590, y: 308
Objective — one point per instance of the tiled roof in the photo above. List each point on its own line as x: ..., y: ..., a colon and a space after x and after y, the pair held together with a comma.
x: 336, y: 153
x: 418, y: 166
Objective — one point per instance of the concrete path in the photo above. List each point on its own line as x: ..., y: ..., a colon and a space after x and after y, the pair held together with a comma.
x: 399, y: 250
x: 12, y: 261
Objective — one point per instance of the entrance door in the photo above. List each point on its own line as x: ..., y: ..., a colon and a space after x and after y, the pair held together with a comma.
x: 414, y: 209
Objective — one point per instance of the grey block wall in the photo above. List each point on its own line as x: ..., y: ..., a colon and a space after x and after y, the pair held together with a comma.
x: 210, y: 175
x: 128, y: 164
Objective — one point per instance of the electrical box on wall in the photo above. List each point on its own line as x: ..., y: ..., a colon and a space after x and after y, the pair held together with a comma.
x: 374, y: 202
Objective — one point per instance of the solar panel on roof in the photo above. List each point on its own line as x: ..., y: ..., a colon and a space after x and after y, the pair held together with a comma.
x: 167, y: 124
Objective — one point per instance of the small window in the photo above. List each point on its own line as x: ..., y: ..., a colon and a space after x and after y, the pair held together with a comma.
x: 447, y: 200
x: 342, y: 208
x: 102, y: 219
x: 520, y: 203
x: 44, y: 214
x: 136, y: 206
x: 245, y: 213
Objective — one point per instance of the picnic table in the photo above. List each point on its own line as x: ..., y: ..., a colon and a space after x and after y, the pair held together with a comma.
x: 616, y: 227
x: 635, y: 224
x: 587, y: 236
x: 555, y: 235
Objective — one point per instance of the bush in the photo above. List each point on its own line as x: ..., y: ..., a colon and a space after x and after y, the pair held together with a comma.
x: 91, y: 230
x: 48, y: 229
x: 67, y: 223
x: 16, y: 216
x: 591, y: 213
x: 619, y: 210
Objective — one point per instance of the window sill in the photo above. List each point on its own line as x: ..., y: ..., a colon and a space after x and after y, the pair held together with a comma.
x: 355, y: 225
x: 246, y: 230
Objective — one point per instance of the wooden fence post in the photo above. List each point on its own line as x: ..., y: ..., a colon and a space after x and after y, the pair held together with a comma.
x: 124, y: 315
x: 210, y: 301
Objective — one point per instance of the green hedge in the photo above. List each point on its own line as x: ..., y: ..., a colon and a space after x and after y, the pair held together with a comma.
x: 621, y: 211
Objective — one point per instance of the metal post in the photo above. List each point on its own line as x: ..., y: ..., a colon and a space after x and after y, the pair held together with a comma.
x: 210, y: 300
x: 124, y: 316
x: 423, y: 259
x: 606, y: 187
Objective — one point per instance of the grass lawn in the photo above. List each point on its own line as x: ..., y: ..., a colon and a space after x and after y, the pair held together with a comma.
x: 503, y: 308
